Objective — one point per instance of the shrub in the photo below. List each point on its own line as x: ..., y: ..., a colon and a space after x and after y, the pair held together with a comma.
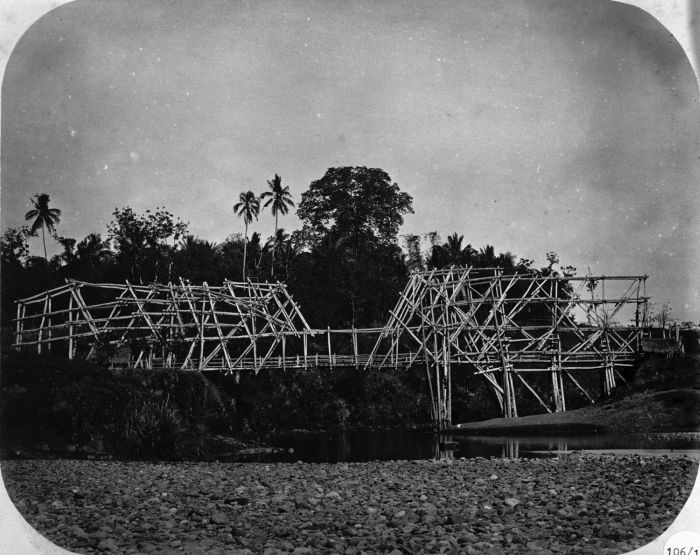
x: 148, y: 428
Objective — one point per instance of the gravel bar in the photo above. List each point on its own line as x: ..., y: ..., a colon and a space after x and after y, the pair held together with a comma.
x: 574, y: 503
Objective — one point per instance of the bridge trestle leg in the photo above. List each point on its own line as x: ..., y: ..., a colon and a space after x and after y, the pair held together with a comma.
x: 609, y: 376
x: 440, y: 388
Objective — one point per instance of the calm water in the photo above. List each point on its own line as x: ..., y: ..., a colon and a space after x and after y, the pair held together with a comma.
x: 359, y: 446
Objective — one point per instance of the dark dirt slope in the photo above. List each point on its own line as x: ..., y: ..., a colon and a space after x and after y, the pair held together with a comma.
x: 664, y: 396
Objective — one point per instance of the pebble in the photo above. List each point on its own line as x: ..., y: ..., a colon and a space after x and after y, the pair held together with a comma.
x: 589, y: 505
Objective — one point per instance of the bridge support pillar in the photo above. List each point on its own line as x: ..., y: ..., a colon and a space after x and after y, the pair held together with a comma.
x: 609, y: 376
x: 556, y: 375
x: 440, y: 382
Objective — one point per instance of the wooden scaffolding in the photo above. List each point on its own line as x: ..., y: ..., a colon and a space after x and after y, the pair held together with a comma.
x: 233, y: 327
x: 511, y: 327
x: 526, y: 334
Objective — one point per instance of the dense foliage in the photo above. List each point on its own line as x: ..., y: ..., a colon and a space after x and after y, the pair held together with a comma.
x: 345, y: 267
x: 65, y: 407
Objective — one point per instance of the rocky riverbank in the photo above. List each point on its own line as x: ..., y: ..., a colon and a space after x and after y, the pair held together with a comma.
x: 574, y: 503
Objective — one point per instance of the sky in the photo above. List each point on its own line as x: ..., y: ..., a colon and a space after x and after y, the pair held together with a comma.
x: 532, y: 125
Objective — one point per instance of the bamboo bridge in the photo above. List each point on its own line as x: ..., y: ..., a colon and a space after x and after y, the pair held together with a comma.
x: 507, y: 328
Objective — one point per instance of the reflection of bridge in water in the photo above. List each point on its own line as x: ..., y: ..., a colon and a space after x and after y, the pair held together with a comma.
x: 512, y: 329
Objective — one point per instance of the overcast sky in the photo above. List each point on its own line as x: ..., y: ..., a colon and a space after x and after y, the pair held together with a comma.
x: 531, y: 125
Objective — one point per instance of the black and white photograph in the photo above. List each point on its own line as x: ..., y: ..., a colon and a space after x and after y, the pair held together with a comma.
x: 355, y: 277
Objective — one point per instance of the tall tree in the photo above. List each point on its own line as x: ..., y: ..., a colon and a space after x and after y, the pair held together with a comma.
x: 356, y: 201
x: 279, y: 200
x: 145, y: 243
x: 354, y: 268
x: 43, y: 216
x: 248, y: 208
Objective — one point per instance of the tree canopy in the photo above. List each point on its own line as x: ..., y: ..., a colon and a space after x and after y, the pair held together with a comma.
x: 144, y: 241
x: 344, y: 266
x: 356, y: 202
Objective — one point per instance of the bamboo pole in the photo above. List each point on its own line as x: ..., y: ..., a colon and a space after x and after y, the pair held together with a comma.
x: 20, y: 323
x: 41, y: 325
x: 306, y: 348
x: 354, y: 347
x: 48, y: 331
x: 70, y: 327
x: 200, y: 364
x: 330, y: 352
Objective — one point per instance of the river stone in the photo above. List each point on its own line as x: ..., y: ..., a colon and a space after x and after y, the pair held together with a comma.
x: 455, y: 518
x: 220, y: 518
x: 108, y: 544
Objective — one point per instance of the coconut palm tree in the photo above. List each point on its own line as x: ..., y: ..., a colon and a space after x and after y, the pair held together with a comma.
x: 43, y: 216
x: 248, y: 208
x: 280, y: 199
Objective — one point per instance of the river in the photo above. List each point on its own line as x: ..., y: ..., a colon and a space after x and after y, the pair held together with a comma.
x: 358, y: 446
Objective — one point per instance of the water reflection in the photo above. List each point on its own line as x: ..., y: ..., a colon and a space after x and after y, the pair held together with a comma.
x: 357, y: 446
x: 443, y: 447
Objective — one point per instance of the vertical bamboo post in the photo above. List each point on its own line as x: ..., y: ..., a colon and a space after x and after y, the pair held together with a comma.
x: 255, y: 342
x: 433, y: 413
x: 608, y: 365
x: 555, y: 346
x: 70, y: 327
x: 396, y: 356
x: 354, y: 345
x: 201, y: 335
x: 391, y: 349
x: 41, y: 324
x: 446, y: 385
x: 284, y: 351
x: 306, y: 349
x: 18, y: 329
x: 330, y: 352
x: 48, y: 331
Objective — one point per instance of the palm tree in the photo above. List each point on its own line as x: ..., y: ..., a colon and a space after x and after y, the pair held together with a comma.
x: 487, y: 256
x: 454, y: 246
x: 280, y: 238
x: 257, y: 249
x: 248, y: 208
x: 281, y: 199
x: 43, y: 216
x: 92, y: 250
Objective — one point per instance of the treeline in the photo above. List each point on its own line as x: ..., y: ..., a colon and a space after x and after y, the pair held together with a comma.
x: 345, y: 266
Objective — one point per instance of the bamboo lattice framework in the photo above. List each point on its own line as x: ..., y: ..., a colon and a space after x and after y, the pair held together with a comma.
x: 239, y: 326
x: 510, y: 328
x: 513, y: 326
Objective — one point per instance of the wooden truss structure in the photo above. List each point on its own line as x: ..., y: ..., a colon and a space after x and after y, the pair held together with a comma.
x: 239, y: 326
x: 236, y: 326
x: 510, y: 327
